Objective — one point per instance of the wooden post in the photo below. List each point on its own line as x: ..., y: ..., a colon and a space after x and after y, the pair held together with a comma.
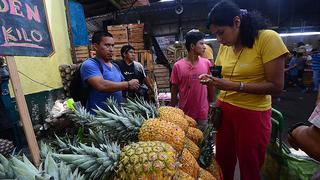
x: 23, y: 110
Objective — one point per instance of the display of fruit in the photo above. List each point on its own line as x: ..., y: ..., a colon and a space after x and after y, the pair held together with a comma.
x: 195, y: 135
x: 192, y: 147
x: 205, y: 175
x: 171, y: 109
x: 191, y: 121
x: 181, y: 175
x: 6, y: 147
x: 130, y: 128
x: 215, y: 170
x: 141, y: 160
x: 189, y: 163
x: 166, y: 113
x: 14, y: 168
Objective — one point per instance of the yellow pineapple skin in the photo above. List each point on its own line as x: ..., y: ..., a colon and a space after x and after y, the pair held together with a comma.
x: 147, y: 160
x: 181, y: 175
x: 191, y: 121
x: 172, y: 109
x: 196, y: 135
x: 157, y: 130
x: 175, y: 118
x: 189, y: 163
x: 205, y: 175
x: 192, y: 147
x: 215, y: 170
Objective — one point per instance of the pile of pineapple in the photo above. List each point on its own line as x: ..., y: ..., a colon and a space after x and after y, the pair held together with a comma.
x: 134, y: 141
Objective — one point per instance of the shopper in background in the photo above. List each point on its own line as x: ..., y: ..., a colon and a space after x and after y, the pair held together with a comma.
x: 295, y: 71
x: 315, y: 66
x: 208, y: 53
x: 252, y: 60
x: 107, y: 82
x: 132, y: 69
x: 194, y: 98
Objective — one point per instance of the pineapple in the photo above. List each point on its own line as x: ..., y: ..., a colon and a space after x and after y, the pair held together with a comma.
x: 6, y: 147
x: 205, y: 175
x: 128, y: 127
x: 171, y: 109
x: 141, y: 160
x: 215, y: 169
x: 147, y: 160
x: 181, y: 175
x: 195, y: 135
x: 191, y: 121
x: 166, y: 113
x: 162, y: 131
x: 207, y: 154
x: 49, y: 169
x: 174, y: 118
x: 192, y: 147
x: 189, y: 163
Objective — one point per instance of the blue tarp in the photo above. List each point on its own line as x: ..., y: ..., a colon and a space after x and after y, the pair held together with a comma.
x: 78, y: 24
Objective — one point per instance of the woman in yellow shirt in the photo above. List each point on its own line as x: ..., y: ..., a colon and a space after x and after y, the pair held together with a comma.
x: 252, y: 60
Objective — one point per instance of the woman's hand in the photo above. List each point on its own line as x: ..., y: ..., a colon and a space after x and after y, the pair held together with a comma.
x: 219, y: 83
x: 205, y: 79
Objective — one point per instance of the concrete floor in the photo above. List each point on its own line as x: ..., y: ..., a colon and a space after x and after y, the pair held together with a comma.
x: 294, y: 106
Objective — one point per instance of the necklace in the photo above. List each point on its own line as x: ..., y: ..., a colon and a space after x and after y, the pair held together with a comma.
x: 235, y: 64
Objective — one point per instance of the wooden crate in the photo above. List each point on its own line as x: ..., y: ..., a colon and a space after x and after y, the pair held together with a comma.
x: 117, y: 51
x: 119, y: 33
x: 135, y: 33
x: 82, y: 53
x: 146, y: 59
x: 120, y: 36
x: 138, y: 46
x: 117, y: 27
x: 162, y: 77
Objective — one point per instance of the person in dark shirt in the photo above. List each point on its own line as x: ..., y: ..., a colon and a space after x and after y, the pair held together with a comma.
x: 132, y: 69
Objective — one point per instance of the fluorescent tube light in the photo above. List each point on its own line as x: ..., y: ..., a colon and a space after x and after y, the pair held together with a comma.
x: 299, y: 34
x: 166, y: 0
x: 282, y: 35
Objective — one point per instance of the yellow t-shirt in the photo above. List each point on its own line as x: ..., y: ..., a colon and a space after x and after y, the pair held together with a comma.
x: 208, y: 53
x: 249, y: 69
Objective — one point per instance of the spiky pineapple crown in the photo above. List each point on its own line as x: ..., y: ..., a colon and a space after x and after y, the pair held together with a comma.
x: 206, y: 147
x: 48, y: 170
x: 142, y: 107
x: 96, y: 163
x: 116, y: 121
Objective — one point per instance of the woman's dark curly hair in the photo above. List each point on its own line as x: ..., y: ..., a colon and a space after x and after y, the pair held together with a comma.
x: 223, y: 13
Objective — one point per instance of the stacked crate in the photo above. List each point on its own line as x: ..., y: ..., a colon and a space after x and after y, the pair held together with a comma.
x: 162, y: 77
x: 127, y: 34
x: 82, y: 53
x: 135, y: 34
x: 120, y: 37
x: 175, y: 53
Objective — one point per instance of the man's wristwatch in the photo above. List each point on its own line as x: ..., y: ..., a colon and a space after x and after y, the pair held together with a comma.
x: 241, y: 88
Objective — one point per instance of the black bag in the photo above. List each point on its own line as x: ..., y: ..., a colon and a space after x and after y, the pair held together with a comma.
x: 215, y: 114
x: 78, y: 91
